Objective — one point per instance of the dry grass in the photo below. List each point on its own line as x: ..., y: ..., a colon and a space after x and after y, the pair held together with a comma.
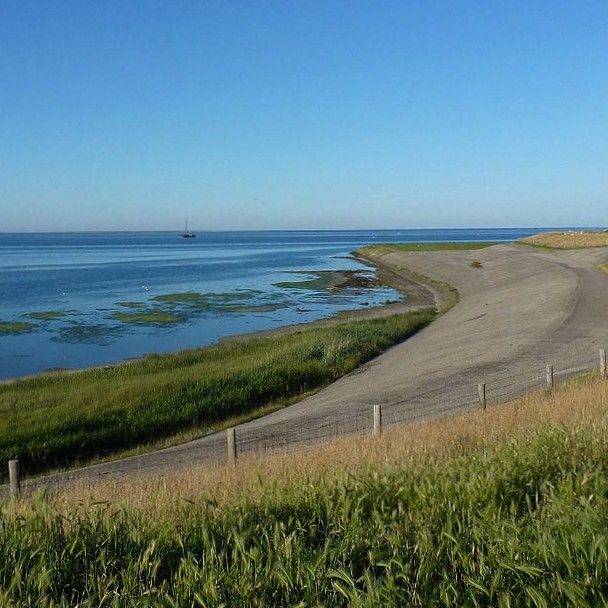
x: 568, y: 240
x: 583, y: 400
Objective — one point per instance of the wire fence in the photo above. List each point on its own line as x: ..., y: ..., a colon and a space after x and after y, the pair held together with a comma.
x: 416, y: 398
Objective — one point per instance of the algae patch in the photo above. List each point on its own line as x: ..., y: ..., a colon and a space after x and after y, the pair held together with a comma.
x: 256, y: 308
x: 88, y: 333
x: 188, y: 297
x: 47, y: 315
x: 15, y: 328
x: 329, y: 280
x: 153, y: 316
x: 205, y: 302
x: 134, y: 305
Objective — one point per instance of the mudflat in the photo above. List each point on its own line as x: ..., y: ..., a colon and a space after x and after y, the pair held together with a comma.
x: 519, y: 309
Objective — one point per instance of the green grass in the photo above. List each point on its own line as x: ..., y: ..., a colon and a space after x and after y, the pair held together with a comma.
x: 384, y: 248
x: 54, y: 420
x: 519, y: 523
x: 7, y: 327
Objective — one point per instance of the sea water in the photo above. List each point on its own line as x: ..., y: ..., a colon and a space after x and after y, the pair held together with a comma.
x: 74, y: 300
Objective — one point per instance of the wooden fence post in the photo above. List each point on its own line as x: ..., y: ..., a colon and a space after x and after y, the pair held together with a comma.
x: 481, y: 390
x: 550, y: 380
x: 13, y: 474
x: 603, y: 363
x: 231, y: 439
x: 377, y: 420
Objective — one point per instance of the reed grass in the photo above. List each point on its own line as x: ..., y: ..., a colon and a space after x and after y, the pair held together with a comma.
x: 503, y: 507
x: 57, y: 419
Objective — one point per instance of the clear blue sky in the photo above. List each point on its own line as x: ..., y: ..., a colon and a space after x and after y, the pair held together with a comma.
x: 127, y: 114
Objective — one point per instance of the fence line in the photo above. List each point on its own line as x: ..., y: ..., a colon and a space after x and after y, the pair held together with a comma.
x: 504, y: 388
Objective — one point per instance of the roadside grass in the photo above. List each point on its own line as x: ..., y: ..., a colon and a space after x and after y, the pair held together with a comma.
x: 503, y: 507
x: 580, y: 401
x: 567, y: 240
x: 54, y: 420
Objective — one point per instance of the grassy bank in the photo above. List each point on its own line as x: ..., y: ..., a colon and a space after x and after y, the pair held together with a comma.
x: 579, y: 239
x: 57, y: 419
x: 505, y: 507
x: 384, y: 248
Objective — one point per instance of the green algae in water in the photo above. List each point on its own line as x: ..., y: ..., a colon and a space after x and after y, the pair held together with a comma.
x: 189, y: 296
x: 47, y: 315
x: 156, y: 317
x: 328, y: 280
x: 135, y: 305
x: 88, y: 333
x: 15, y: 328
x: 255, y: 308
x: 206, y: 301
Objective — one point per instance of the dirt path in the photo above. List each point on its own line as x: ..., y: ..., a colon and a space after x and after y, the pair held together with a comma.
x: 519, y: 309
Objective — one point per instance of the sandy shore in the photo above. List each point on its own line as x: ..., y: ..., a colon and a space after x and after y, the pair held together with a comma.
x: 519, y: 309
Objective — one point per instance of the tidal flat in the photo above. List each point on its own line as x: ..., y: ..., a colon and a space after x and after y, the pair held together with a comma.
x: 332, y: 280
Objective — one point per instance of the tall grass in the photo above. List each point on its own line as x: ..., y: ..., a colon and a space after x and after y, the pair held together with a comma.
x: 53, y: 420
x: 517, y: 520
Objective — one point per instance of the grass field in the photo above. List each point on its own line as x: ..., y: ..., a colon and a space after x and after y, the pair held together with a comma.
x: 568, y: 240
x: 503, y: 507
x: 57, y: 419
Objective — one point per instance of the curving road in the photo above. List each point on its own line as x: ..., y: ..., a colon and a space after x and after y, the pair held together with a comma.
x: 519, y: 309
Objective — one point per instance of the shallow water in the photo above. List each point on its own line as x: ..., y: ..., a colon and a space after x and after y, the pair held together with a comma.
x: 96, y: 298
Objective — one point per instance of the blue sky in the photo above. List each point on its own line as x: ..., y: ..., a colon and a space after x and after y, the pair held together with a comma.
x: 132, y: 115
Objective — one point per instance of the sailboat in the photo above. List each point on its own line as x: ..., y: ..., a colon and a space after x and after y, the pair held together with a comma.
x: 185, y: 234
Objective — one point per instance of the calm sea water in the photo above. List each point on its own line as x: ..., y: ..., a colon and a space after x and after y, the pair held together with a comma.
x: 95, y: 298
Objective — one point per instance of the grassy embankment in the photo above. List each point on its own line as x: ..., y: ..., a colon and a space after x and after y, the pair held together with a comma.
x: 384, y: 248
x: 498, y: 508
x: 567, y: 240
x: 57, y: 419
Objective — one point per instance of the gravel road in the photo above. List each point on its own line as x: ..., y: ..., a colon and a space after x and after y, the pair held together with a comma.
x: 519, y: 309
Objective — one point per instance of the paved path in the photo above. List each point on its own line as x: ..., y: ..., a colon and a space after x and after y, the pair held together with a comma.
x: 522, y: 308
